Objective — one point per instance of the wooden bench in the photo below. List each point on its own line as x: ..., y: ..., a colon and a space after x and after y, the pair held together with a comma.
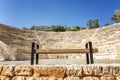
x: 88, y: 50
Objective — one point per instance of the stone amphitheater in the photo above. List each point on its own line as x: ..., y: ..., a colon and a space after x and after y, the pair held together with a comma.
x: 106, y: 39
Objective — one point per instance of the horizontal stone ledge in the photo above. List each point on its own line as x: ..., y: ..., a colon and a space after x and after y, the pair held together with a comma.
x: 60, y: 71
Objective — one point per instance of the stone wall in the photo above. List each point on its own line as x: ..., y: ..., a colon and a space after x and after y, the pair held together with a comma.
x: 60, y: 72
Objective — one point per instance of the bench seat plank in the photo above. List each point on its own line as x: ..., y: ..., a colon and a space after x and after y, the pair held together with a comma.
x: 63, y: 51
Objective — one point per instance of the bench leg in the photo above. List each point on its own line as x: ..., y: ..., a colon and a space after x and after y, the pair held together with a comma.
x: 32, y: 53
x: 37, y: 58
x: 87, y: 55
x: 37, y: 55
x: 91, y: 53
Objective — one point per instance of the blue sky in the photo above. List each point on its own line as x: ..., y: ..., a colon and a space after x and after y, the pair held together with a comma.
x: 20, y: 13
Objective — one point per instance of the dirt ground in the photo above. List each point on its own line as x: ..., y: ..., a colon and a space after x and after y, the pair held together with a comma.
x: 59, y: 62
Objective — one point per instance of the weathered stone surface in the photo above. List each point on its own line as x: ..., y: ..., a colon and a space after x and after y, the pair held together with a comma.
x: 23, y: 70
x: 43, y: 78
x: 6, y: 52
x: 108, y: 78
x: 7, y: 71
x: 72, y: 78
x: 34, y: 78
x: 88, y: 70
x: 18, y: 78
x: 74, y: 70
x: 97, y: 70
x: 91, y: 78
x: 60, y: 79
x: 1, y: 69
x: 118, y: 78
x: 116, y: 70
x: 54, y: 71
x: 4, y: 78
x: 52, y: 78
x: 92, y: 70
x: 108, y: 70
x: 58, y: 72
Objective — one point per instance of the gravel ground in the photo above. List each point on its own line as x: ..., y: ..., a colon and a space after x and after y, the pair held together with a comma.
x: 59, y: 62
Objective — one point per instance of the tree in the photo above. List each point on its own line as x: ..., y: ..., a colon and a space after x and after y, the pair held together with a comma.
x: 68, y: 29
x: 58, y: 28
x: 93, y: 23
x: 90, y: 23
x: 33, y: 28
x: 106, y: 24
x: 76, y: 28
x: 96, y: 23
x: 24, y: 28
x: 116, y: 16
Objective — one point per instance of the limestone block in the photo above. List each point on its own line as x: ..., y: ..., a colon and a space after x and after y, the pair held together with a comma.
x: 4, y: 78
x: 52, y: 78
x: 97, y: 70
x: 42, y: 78
x: 91, y: 78
x: 107, y: 78
x: 53, y: 71
x: 18, y: 78
x: 108, y: 70
x: 74, y: 71
x: 60, y: 79
x: 7, y: 71
x: 31, y: 78
x: 118, y: 78
x: 6, y: 52
x: 92, y: 70
x: 23, y: 70
x: 116, y: 70
x: 2, y: 58
x: 72, y: 78
x: 0, y: 69
x: 35, y: 78
x: 87, y: 70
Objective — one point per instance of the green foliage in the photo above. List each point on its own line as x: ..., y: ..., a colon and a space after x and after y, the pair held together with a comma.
x: 82, y: 28
x: 68, y: 29
x: 93, y: 23
x: 116, y: 16
x: 73, y: 28
x: 90, y: 24
x: 106, y: 24
x: 40, y: 28
x: 76, y: 28
x: 24, y: 28
x: 33, y: 28
x: 58, y: 28
x: 96, y: 23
